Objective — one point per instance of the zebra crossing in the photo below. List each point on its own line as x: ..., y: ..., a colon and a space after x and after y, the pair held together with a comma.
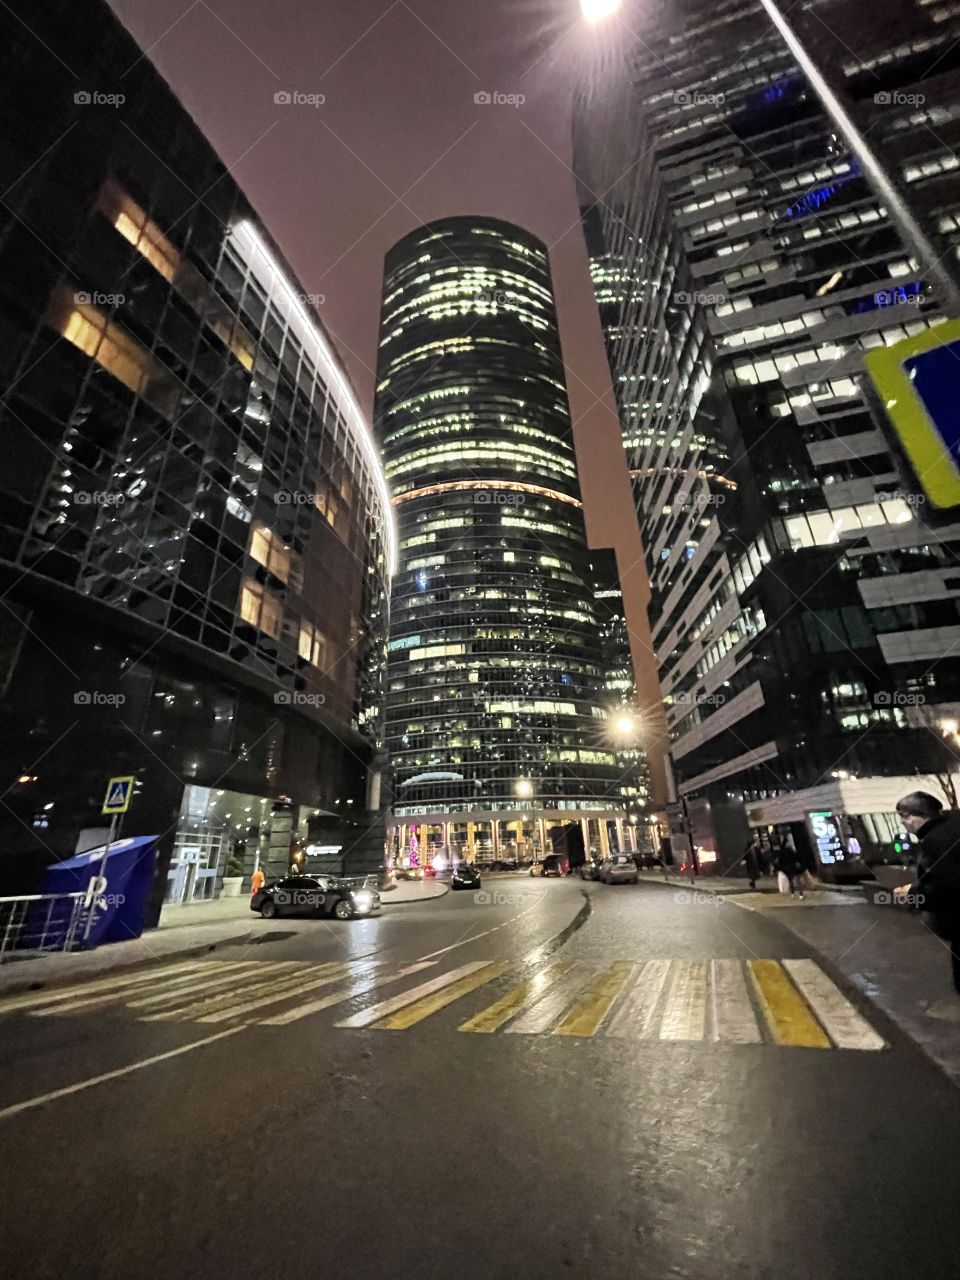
x: 751, y: 1003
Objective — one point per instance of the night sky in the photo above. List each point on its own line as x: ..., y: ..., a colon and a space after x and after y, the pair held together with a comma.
x: 400, y: 140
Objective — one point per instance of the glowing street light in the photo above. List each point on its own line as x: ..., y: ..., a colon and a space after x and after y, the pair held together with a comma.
x: 625, y: 726
x: 597, y: 10
x: 524, y: 788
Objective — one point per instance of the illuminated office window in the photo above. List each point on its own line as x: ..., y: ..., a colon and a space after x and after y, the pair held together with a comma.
x: 273, y: 553
x: 135, y: 226
x: 312, y: 645
x: 260, y: 608
x: 84, y: 325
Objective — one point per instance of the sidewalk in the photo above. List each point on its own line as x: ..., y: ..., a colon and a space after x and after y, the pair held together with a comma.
x: 898, y: 964
x: 765, y: 892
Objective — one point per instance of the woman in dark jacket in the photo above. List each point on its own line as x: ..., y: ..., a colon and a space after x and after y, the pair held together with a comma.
x: 936, y: 889
x: 787, y: 860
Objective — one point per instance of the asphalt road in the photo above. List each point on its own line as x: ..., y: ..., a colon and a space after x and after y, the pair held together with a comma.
x: 594, y: 1099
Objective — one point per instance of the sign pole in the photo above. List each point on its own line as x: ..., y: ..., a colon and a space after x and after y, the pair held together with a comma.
x: 115, y: 803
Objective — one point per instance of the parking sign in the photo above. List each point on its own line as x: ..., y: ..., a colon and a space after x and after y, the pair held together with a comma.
x: 918, y: 380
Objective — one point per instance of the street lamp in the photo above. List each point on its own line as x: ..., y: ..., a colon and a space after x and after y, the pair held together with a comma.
x: 625, y: 726
x: 524, y: 788
x: 597, y: 10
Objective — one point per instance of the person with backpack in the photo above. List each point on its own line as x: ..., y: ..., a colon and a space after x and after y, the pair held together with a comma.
x: 936, y: 889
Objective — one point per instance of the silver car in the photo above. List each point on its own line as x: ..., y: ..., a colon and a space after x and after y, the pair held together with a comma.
x: 619, y: 868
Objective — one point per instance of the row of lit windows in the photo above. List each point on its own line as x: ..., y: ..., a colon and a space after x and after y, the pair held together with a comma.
x: 824, y: 528
x: 520, y: 456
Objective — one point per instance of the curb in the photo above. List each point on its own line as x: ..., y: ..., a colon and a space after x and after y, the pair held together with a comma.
x: 410, y: 902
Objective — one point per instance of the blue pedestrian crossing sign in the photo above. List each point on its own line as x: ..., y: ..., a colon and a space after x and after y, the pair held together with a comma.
x: 119, y: 791
x: 917, y: 380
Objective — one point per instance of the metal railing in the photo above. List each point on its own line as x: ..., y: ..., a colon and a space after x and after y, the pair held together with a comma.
x: 41, y: 922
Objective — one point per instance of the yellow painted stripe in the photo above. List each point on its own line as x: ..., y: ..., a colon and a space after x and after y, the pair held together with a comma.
x: 787, y: 1013
x: 421, y: 1009
x: 591, y: 1006
x: 509, y: 1005
x: 198, y: 1005
x: 685, y: 1013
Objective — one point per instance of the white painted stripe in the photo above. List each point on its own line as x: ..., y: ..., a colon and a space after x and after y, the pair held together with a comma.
x: 171, y: 987
x: 35, y: 999
x: 634, y: 1018
x: 198, y: 1004
x: 843, y: 1024
x: 377, y: 1011
x: 545, y: 1011
x: 113, y: 1075
x: 170, y: 994
x: 734, y: 1018
x: 242, y: 1003
x: 685, y: 1013
x: 360, y: 989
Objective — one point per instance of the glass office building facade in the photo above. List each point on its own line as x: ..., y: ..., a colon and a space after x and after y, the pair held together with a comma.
x: 496, y: 726
x: 195, y: 530
x: 805, y: 604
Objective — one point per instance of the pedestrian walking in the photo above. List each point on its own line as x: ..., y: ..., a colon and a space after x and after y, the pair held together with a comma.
x: 257, y: 881
x: 936, y: 889
x: 788, y: 862
x: 752, y: 863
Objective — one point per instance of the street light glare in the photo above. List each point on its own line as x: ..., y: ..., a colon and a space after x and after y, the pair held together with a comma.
x: 524, y: 787
x: 625, y: 725
x: 597, y: 10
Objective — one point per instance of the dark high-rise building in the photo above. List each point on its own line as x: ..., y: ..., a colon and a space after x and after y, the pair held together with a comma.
x: 496, y: 725
x: 804, y: 603
x: 195, y: 530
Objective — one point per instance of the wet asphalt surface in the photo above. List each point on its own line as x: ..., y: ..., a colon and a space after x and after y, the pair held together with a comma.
x: 307, y: 1149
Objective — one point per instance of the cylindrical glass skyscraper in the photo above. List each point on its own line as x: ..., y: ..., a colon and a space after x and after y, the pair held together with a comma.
x: 494, y: 713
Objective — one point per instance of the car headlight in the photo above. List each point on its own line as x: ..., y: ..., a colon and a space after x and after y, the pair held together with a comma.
x: 363, y: 900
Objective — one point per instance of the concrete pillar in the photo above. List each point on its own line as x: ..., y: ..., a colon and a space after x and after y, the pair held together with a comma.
x: 621, y: 841
x: 585, y: 828
x: 495, y: 837
x: 604, y: 838
x: 542, y: 832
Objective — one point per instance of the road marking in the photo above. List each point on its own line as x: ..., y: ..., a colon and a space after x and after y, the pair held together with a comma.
x: 414, y: 1013
x: 170, y: 992
x: 591, y: 1007
x: 376, y: 1011
x: 509, y: 1005
x: 242, y: 1004
x: 634, y: 1018
x: 543, y: 1013
x: 788, y: 1017
x: 733, y: 1016
x: 432, y: 955
x: 114, y: 1075
x: 199, y: 1005
x: 684, y: 1017
x: 172, y: 988
x: 34, y: 999
x: 360, y: 989
x: 846, y: 1027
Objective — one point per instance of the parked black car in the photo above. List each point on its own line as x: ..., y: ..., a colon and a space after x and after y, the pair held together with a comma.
x: 465, y: 876
x: 310, y: 896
